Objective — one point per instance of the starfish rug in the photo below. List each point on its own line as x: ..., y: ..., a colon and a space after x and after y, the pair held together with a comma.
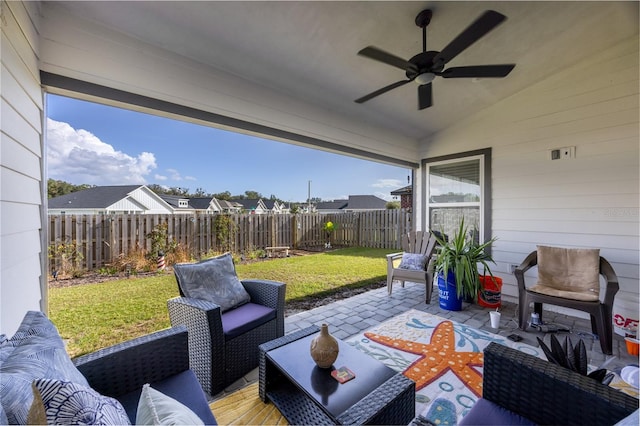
x: 443, y: 357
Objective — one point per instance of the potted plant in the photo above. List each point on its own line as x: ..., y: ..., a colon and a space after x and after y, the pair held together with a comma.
x: 456, y: 265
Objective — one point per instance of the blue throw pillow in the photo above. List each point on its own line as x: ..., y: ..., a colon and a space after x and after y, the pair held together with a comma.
x: 214, y: 280
x: 35, y: 351
x: 67, y: 403
x: 413, y: 261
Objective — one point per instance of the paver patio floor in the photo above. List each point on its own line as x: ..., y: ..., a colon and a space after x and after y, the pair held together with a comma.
x: 348, y: 317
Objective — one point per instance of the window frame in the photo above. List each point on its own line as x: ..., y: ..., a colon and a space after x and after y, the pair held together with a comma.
x: 485, y: 188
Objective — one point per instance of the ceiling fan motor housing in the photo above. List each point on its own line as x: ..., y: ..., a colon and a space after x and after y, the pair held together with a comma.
x: 424, y: 63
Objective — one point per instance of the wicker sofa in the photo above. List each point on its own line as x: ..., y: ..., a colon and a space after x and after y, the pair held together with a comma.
x: 159, y: 358
x: 224, y: 346
x: 521, y: 389
x: 34, y: 361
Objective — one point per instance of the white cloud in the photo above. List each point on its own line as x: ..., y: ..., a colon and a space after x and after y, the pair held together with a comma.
x: 384, y: 195
x: 388, y: 183
x: 78, y: 156
x: 159, y: 177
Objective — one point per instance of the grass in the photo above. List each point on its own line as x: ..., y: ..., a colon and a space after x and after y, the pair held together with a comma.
x: 93, y: 316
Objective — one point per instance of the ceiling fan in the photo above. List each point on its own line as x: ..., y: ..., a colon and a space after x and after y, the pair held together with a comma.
x: 425, y: 66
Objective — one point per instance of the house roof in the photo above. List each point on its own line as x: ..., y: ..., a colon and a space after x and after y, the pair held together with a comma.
x: 200, y: 203
x: 332, y: 205
x: 407, y: 190
x: 173, y: 200
x: 365, y: 202
x: 249, y: 203
x: 98, y: 197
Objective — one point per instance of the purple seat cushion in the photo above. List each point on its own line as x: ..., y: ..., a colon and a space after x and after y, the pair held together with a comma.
x: 183, y: 387
x: 485, y: 412
x: 244, y: 318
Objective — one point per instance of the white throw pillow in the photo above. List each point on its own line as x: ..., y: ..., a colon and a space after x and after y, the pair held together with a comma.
x: 156, y: 408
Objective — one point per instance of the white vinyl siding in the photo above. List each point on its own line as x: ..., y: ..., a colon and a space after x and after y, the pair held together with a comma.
x: 588, y: 201
x: 22, y: 284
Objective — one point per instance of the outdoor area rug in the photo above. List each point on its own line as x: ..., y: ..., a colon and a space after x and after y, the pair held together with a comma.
x: 443, y: 357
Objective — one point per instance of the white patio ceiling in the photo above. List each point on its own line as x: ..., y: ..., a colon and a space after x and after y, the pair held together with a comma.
x: 308, y: 50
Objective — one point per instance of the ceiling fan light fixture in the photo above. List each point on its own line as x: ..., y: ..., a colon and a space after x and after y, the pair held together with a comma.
x: 425, y: 78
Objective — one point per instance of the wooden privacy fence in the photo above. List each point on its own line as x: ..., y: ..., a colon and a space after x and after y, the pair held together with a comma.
x: 95, y: 241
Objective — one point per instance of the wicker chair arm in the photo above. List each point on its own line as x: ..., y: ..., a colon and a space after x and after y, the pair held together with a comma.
x: 546, y: 393
x: 203, y: 319
x: 266, y: 292
x: 125, y: 367
x: 271, y: 294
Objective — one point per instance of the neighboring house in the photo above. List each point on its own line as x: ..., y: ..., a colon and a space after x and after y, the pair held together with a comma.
x: 335, y: 206
x: 253, y: 206
x: 357, y: 203
x: 406, y: 196
x: 229, y: 206
x: 198, y: 205
x: 180, y: 205
x: 354, y: 203
x: 136, y: 199
x: 275, y: 207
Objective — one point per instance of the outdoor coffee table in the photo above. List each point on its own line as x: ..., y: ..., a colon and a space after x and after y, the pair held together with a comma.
x: 307, y: 394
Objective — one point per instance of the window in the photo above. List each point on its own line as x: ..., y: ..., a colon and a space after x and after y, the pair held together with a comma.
x: 457, y: 187
x: 183, y: 203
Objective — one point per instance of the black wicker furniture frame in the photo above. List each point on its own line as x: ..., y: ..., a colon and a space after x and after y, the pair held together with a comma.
x: 124, y: 368
x: 546, y: 393
x: 392, y: 402
x: 217, y: 361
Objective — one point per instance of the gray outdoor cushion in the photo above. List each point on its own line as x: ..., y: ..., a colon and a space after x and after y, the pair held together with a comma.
x: 214, y: 280
x: 36, y: 351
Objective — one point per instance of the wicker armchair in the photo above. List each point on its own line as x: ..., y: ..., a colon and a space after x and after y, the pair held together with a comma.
x: 544, y: 393
x: 218, y: 357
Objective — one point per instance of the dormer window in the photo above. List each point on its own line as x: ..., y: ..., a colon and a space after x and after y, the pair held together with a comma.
x: 183, y: 203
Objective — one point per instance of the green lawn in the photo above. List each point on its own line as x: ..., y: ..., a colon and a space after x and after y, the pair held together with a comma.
x: 93, y: 316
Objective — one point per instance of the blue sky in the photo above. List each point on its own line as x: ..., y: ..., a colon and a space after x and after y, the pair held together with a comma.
x: 89, y: 143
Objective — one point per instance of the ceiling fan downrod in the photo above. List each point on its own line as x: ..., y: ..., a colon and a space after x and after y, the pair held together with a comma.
x: 422, y: 20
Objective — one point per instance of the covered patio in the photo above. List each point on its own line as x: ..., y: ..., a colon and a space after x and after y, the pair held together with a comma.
x: 554, y: 146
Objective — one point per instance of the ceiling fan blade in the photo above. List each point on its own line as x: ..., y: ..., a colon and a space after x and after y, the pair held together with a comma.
x: 381, y: 91
x: 481, y: 26
x: 478, y: 71
x: 424, y: 96
x: 387, y: 58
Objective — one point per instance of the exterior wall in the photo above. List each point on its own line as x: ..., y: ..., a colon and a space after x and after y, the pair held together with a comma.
x: 589, y: 201
x: 21, y: 168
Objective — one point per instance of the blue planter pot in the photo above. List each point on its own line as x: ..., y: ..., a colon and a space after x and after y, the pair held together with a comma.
x: 447, y: 293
